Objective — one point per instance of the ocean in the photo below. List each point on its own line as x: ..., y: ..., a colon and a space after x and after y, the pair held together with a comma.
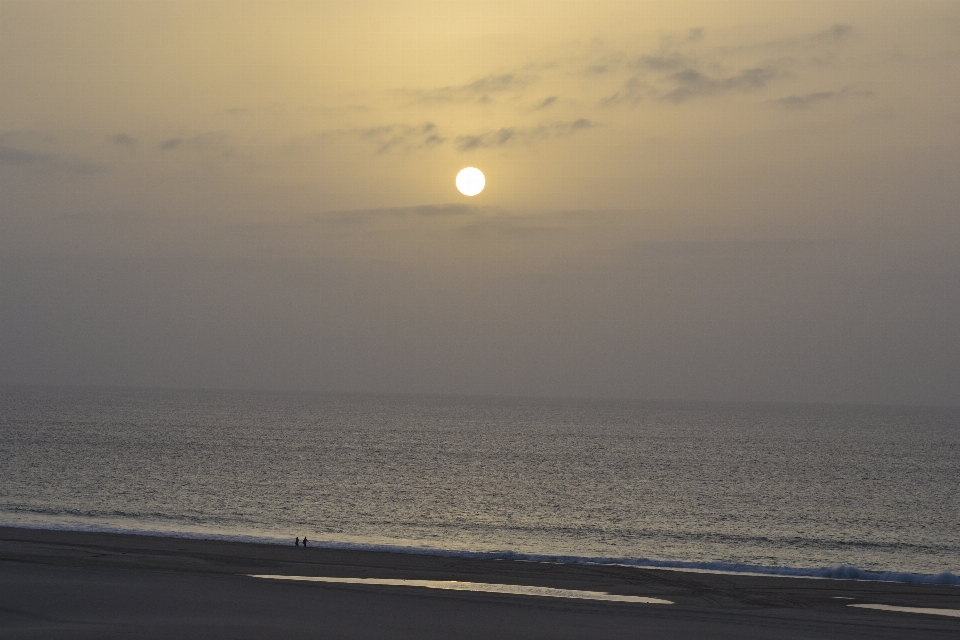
x: 829, y: 491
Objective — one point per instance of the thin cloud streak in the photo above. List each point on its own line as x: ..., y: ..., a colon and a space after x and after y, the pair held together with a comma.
x: 392, y: 136
x: 687, y: 69
x: 202, y: 142
x: 521, y: 135
x: 20, y: 158
x: 808, y: 100
x: 691, y: 83
x: 123, y: 140
x: 364, y: 216
x: 479, y: 90
x: 546, y: 102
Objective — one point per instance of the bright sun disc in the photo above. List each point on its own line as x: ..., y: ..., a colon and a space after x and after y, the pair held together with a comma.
x: 470, y: 181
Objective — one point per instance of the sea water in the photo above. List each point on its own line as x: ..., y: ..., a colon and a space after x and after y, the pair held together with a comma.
x: 804, y: 489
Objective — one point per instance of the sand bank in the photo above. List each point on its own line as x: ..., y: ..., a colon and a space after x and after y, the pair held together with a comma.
x: 56, y: 584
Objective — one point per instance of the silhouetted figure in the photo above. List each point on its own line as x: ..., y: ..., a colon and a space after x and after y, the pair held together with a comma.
x: 297, y: 541
x: 304, y: 540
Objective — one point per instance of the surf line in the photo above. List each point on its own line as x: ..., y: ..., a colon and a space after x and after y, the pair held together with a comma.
x: 954, y: 613
x: 482, y: 587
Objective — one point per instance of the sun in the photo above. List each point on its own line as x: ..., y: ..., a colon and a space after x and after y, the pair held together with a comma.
x: 470, y: 181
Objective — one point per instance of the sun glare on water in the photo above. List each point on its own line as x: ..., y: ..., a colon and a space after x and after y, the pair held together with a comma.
x: 470, y: 181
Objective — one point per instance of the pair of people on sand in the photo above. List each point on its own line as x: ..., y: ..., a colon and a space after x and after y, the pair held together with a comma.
x: 297, y: 541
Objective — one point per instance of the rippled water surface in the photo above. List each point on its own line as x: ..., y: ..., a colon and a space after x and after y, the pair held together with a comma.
x: 799, y: 486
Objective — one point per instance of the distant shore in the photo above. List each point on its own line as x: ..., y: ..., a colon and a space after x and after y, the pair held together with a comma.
x: 83, y: 584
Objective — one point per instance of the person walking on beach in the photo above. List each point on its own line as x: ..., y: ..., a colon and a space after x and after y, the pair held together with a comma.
x: 304, y: 541
x: 296, y: 541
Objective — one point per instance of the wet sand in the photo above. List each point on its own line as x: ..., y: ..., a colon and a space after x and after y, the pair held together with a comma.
x: 56, y: 584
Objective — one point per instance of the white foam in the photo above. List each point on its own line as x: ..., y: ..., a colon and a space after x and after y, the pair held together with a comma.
x: 482, y: 587
x: 953, y: 613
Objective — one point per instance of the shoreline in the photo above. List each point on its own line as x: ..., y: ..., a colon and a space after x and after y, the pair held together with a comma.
x: 838, y: 572
x: 83, y: 576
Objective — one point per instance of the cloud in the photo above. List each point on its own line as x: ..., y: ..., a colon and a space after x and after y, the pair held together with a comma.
x: 14, y: 157
x: 546, y: 102
x: 811, y: 42
x: 601, y: 62
x: 521, y: 135
x: 684, y: 69
x: 19, y: 157
x: 580, y: 123
x: 496, y: 138
x: 807, y: 100
x: 598, y: 69
x: 427, y: 135
x: 804, y: 101
x: 196, y: 143
x: 478, y: 90
x: 661, y: 62
x: 392, y: 136
x: 122, y: 140
x: 691, y: 83
x: 834, y: 34
x: 634, y: 90
x: 742, y: 247
x: 359, y: 216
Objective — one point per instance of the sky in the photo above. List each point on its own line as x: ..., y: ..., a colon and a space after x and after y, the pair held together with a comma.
x: 722, y: 200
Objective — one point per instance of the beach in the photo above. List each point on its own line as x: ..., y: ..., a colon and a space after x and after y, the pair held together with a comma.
x: 626, y: 319
x: 69, y: 584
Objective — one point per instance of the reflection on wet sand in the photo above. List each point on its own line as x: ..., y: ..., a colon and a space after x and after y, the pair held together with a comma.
x: 483, y: 587
x: 953, y: 613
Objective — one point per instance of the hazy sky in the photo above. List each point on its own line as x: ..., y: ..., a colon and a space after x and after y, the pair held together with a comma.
x: 685, y: 200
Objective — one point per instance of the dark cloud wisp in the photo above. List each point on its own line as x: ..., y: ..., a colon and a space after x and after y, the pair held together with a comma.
x: 478, y: 90
x: 392, y: 136
x: 691, y: 83
x: 200, y: 142
x: 361, y: 216
x: 122, y: 140
x: 14, y: 157
x: 546, y: 102
x: 521, y: 135
x: 807, y: 100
